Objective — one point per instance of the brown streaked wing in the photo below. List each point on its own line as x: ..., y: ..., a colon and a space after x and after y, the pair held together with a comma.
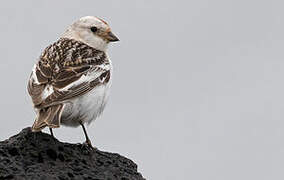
x: 45, y: 69
x: 58, y: 97
x: 41, y: 78
x: 35, y: 91
x: 43, y: 74
x: 59, y: 80
x: 68, y: 76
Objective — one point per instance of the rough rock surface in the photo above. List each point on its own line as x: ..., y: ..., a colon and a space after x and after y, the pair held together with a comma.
x: 30, y: 155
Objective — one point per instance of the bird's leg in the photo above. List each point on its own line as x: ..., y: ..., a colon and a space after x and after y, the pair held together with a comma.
x: 51, y: 132
x: 88, y: 142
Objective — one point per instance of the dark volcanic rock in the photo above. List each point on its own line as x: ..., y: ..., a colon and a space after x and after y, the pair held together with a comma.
x: 30, y: 155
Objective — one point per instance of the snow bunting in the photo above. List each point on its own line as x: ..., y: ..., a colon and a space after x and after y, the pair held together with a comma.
x: 69, y: 84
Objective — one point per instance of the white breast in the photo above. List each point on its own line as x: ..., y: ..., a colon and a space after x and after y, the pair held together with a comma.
x: 87, y: 107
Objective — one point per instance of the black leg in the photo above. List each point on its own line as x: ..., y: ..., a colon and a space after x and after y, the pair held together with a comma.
x: 88, y: 142
x: 51, y: 132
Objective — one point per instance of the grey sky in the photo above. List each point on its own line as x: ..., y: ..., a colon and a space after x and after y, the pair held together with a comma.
x: 197, y: 90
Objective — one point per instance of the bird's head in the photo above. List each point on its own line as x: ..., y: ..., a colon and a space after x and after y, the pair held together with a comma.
x: 92, y: 31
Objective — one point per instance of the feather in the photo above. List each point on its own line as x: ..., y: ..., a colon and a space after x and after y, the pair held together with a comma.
x: 66, y: 69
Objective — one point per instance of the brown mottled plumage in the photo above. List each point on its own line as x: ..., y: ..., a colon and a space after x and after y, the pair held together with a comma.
x: 61, y: 64
x: 69, y: 84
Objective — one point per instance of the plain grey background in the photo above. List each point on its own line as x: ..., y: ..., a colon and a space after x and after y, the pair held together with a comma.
x: 198, y: 85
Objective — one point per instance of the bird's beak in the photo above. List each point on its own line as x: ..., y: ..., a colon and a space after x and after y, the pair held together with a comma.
x: 111, y: 37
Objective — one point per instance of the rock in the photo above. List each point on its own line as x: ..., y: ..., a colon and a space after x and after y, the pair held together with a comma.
x: 39, y: 156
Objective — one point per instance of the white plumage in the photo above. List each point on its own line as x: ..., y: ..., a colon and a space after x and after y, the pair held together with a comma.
x: 88, y: 106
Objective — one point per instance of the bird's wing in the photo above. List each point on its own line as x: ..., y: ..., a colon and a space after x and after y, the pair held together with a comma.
x: 47, y: 88
x: 67, y: 69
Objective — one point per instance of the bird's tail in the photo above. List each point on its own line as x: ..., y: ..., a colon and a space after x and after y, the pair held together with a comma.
x: 49, y: 116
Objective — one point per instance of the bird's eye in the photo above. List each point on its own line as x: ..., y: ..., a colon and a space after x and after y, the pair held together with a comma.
x: 94, y: 29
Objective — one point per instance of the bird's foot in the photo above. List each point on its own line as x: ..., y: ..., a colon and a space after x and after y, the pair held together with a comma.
x: 88, y: 143
x: 87, y: 147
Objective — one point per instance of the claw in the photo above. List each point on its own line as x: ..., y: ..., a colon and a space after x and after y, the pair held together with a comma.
x: 87, y: 148
x: 88, y: 143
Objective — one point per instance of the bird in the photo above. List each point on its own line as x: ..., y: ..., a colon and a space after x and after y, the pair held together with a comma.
x: 70, y: 82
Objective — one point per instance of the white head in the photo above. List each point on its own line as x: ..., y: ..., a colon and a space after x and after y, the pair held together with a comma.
x: 92, y: 31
